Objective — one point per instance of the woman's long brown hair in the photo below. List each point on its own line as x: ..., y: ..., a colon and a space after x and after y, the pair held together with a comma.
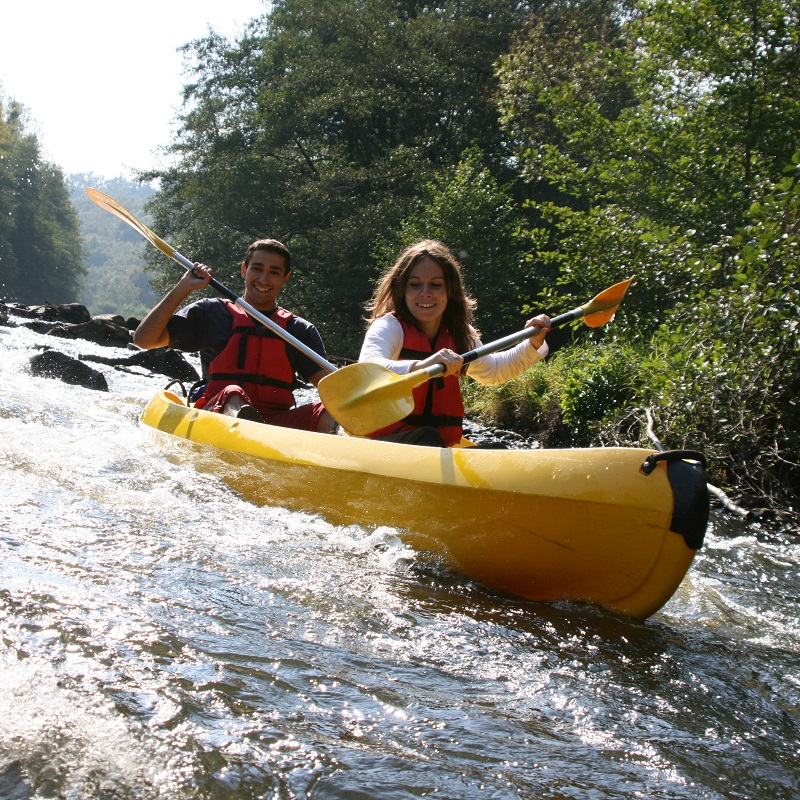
x: 390, y: 293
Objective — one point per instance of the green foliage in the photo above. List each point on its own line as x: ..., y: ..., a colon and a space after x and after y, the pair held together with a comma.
x: 467, y: 209
x: 681, y: 112
x: 323, y: 128
x: 591, y: 250
x: 721, y: 374
x: 732, y: 354
x: 663, y: 135
x: 597, y: 382
x: 40, y: 246
x: 528, y: 403
x: 575, y: 398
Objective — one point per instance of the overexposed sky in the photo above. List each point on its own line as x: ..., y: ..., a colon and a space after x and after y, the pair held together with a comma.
x: 102, y: 81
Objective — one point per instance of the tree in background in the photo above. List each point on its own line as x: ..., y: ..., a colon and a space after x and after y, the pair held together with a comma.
x: 658, y: 128
x: 323, y: 128
x: 673, y: 154
x: 466, y: 207
x: 40, y: 245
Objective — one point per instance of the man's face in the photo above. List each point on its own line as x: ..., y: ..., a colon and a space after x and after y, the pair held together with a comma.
x: 264, y: 278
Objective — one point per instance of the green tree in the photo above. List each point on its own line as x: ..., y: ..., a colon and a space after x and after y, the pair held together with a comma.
x: 40, y: 246
x: 683, y: 184
x: 322, y: 127
x: 683, y: 112
x: 733, y: 352
x: 466, y: 207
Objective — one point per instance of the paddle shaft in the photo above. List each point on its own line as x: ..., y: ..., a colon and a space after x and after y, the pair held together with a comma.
x: 109, y: 204
x: 506, y: 341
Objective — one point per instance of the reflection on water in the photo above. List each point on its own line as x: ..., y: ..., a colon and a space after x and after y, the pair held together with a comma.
x: 162, y: 637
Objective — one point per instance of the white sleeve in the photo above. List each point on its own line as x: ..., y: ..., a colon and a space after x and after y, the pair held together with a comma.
x: 497, y: 368
x: 383, y: 342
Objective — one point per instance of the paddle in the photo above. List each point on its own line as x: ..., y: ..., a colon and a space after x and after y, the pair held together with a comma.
x: 366, y: 397
x: 109, y: 204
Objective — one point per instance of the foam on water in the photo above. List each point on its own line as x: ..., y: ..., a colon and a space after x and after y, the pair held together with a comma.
x: 161, y: 636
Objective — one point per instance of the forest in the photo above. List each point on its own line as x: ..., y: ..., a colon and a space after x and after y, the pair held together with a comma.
x: 41, y: 255
x: 55, y: 244
x: 557, y: 147
x: 115, y: 281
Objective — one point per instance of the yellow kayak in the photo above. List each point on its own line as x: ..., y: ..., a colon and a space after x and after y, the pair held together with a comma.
x: 618, y: 527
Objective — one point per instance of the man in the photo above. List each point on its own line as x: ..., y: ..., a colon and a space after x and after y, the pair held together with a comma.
x: 248, y: 368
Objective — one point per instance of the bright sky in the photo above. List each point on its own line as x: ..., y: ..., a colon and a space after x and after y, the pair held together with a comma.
x: 102, y: 81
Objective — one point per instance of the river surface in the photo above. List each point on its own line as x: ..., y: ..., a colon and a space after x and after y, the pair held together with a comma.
x: 162, y: 637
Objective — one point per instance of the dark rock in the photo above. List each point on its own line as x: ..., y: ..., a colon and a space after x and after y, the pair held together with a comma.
x: 487, y: 437
x: 117, y: 319
x: 167, y: 361
x: 162, y: 360
x: 98, y: 330
x: 21, y: 311
x: 132, y: 323
x: 52, y: 364
x: 72, y: 313
x: 40, y: 326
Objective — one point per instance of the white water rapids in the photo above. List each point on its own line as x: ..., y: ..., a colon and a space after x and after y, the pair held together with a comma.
x: 160, y: 636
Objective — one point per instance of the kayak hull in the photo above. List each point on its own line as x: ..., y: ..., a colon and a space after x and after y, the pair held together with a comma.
x: 587, y: 525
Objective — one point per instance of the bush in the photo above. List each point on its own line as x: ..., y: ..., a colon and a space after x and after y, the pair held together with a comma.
x: 573, y: 399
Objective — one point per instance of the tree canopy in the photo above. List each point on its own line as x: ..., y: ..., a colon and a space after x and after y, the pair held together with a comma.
x: 678, y: 163
x: 40, y: 246
x: 680, y: 117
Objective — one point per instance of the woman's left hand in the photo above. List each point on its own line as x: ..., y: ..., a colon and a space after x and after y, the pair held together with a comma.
x: 543, y: 323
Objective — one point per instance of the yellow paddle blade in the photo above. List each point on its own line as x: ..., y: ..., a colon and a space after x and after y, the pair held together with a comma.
x: 110, y: 204
x: 366, y: 397
x: 601, y: 308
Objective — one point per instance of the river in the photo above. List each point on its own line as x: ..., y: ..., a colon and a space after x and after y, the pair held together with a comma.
x: 161, y: 637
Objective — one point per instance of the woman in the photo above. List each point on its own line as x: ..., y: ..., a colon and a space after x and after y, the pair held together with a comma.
x: 421, y: 315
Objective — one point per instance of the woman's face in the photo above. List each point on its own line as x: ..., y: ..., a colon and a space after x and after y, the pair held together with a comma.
x: 426, y: 294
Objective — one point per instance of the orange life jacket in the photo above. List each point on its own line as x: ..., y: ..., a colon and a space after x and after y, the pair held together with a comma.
x: 255, y: 359
x: 437, y: 402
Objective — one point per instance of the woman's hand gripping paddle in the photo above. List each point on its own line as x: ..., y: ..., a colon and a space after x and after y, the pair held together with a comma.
x: 366, y: 397
x: 109, y: 204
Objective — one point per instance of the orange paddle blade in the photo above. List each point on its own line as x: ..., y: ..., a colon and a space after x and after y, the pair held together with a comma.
x: 110, y: 204
x: 601, y: 308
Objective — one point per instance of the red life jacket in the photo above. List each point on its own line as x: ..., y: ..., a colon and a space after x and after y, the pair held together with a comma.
x: 437, y: 402
x: 255, y: 359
